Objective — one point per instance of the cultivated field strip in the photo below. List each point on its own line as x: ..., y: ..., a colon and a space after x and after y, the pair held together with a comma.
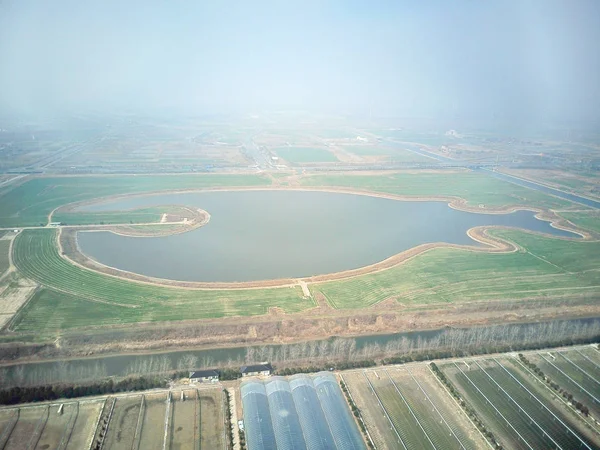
x: 123, y: 423
x: 407, y: 408
x: 211, y: 419
x: 441, y: 430
x: 588, y: 376
x: 115, y: 301
x: 568, y: 377
x: 4, y: 259
x: 136, y: 422
x: 403, y: 419
x: 85, y: 425
x: 380, y: 426
x: 447, y: 416
x: 590, y: 358
x: 512, y: 408
x: 562, y: 434
x: 182, y: 433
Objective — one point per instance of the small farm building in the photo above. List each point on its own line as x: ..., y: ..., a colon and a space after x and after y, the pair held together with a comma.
x: 256, y: 370
x: 203, y: 376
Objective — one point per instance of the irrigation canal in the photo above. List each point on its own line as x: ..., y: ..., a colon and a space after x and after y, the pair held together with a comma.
x: 88, y: 369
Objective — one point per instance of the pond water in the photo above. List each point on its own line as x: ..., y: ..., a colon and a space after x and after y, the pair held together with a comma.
x: 262, y: 235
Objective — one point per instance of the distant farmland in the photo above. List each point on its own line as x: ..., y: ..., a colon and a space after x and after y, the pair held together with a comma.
x: 30, y: 203
x: 476, y: 188
x: 305, y: 154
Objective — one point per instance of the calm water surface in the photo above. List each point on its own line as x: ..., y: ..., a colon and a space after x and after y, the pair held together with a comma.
x: 260, y: 235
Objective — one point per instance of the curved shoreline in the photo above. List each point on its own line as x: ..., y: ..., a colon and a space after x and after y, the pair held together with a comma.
x: 480, y: 234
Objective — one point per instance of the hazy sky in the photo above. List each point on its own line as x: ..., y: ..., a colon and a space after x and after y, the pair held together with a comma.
x: 522, y: 59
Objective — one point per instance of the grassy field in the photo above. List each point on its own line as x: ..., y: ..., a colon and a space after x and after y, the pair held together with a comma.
x: 78, y: 297
x: 588, y: 220
x: 394, y: 154
x: 4, y: 249
x: 30, y: 203
x: 476, y: 188
x: 142, y: 215
x: 305, y: 154
x: 75, y: 297
x: 132, y: 216
x: 549, y: 266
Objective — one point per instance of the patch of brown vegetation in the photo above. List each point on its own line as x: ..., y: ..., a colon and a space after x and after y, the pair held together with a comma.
x: 291, y: 328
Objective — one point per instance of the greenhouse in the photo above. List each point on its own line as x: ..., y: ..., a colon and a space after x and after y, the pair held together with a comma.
x: 308, y: 412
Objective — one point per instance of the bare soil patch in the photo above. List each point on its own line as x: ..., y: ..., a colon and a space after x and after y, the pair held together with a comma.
x: 153, y: 424
x: 83, y: 429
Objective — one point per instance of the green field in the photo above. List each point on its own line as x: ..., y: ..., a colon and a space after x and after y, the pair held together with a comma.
x: 142, y: 215
x: 139, y: 215
x: 30, y: 203
x: 507, y: 400
x: 390, y: 153
x: 476, y: 188
x: 4, y: 249
x: 549, y: 267
x: 73, y: 297
x: 588, y: 220
x: 76, y: 297
x: 305, y: 154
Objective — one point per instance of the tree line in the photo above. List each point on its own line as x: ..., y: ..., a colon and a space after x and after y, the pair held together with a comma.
x: 48, y: 382
x: 15, y: 395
